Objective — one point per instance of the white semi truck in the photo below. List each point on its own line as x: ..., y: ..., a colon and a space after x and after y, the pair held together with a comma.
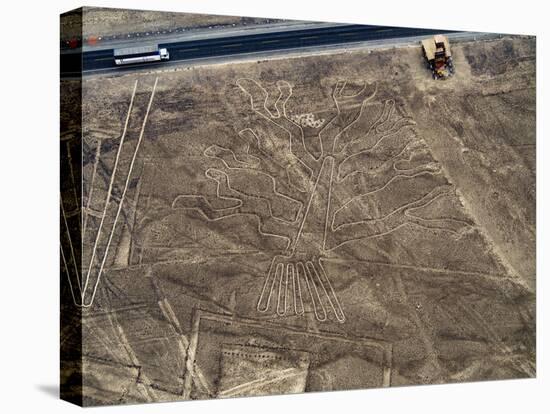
x: 143, y: 54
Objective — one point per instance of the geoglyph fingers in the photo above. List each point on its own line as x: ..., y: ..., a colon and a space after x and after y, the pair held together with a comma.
x: 267, y: 289
x: 318, y: 308
x: 297, y: 291
x: 331, y: 295
x: 289, y: 284
x: 283, y: 289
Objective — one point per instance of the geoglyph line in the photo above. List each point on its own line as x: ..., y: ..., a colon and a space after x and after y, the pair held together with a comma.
x: 243, y: 389
x: 90, y: 193
x: 278, y: 116
x: 337, y: 96
x: 110, y: 188
x: 68, y: 231
x: 326, y: 160
x: 66, y: 267
x: 273, y: 187
x: 315, y: 298
x: 207, y: 218
x: 123, y: 192
x: 384, y: 346
x: 275, y: 161
x: 435, y: 193
x: 357, y: 197
x: 287, y: 275
x: 281, y: 304
x: 391, y: 161
x: 495, y: 340
x: 370, y: 150
x: 361, y: 109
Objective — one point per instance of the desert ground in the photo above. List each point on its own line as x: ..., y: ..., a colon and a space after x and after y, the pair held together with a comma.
x: 107, y: 22
x: 325, y: 222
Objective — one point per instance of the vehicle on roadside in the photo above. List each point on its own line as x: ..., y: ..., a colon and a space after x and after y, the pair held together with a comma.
x: 142, y: 54
x: 437, y: 52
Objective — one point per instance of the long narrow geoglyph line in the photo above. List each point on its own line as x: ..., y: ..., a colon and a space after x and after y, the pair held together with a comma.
x: 313, y: 193
x: 90, y: 192
x: 68, y: 231
x: 128, y: 177
x: 65, y: 265
x: 110, y: 189
x: 266, y: 379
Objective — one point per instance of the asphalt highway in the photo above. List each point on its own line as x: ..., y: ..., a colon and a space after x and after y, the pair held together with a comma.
x: 72, y: 62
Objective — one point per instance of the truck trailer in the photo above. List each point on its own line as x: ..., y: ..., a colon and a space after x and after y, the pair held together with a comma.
x: 142, y: 54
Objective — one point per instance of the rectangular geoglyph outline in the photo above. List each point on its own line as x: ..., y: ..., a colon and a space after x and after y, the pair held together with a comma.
x: 199, y: 314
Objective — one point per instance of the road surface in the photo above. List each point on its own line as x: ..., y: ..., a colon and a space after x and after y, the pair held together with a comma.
x: 102, y: 61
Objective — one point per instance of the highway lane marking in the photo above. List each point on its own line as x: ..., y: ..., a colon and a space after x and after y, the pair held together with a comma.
x: 309, y: 37
x: 271, y: 41
x: 353, y: 45
x: 187, y: 50
x: 105, y: 58
x: 233, y: 45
